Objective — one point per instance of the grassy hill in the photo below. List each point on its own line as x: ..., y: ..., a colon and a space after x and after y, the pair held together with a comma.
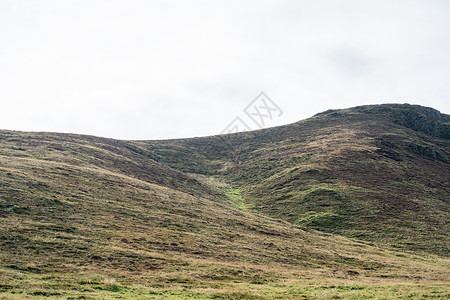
x: 379, y: 173
x: 91, y: 218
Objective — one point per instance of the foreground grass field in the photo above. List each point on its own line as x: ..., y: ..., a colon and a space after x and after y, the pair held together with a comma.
x: 91, y: 218
x: 106, y: 287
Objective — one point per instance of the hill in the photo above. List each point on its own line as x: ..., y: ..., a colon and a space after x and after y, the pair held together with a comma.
x: 84, y: 217
x: 379, y: 173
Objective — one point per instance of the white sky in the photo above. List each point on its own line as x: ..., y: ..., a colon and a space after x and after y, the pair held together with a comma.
x: 167, y: 69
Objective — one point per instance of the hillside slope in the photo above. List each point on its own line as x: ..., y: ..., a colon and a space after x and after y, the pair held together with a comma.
x: 380, y: 173
x: 84, y: 217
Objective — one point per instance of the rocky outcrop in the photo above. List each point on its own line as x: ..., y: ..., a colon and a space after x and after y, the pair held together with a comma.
x: 430, y: 152
x: 424, y: 119
x: 419, y: 118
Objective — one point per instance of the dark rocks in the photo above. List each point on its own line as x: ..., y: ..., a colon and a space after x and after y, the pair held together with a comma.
x: 427, y: 151
x: 389, y: 154
x: 423, y: 119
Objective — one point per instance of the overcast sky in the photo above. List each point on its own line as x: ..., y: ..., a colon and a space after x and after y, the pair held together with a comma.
x: 168, y: 69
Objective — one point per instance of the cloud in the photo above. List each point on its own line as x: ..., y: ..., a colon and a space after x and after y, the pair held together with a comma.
x: 165, y: 69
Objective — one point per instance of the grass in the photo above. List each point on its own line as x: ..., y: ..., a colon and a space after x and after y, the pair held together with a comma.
x: 86, y: 286
x: 235, y: 197
x: 106, y: 286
